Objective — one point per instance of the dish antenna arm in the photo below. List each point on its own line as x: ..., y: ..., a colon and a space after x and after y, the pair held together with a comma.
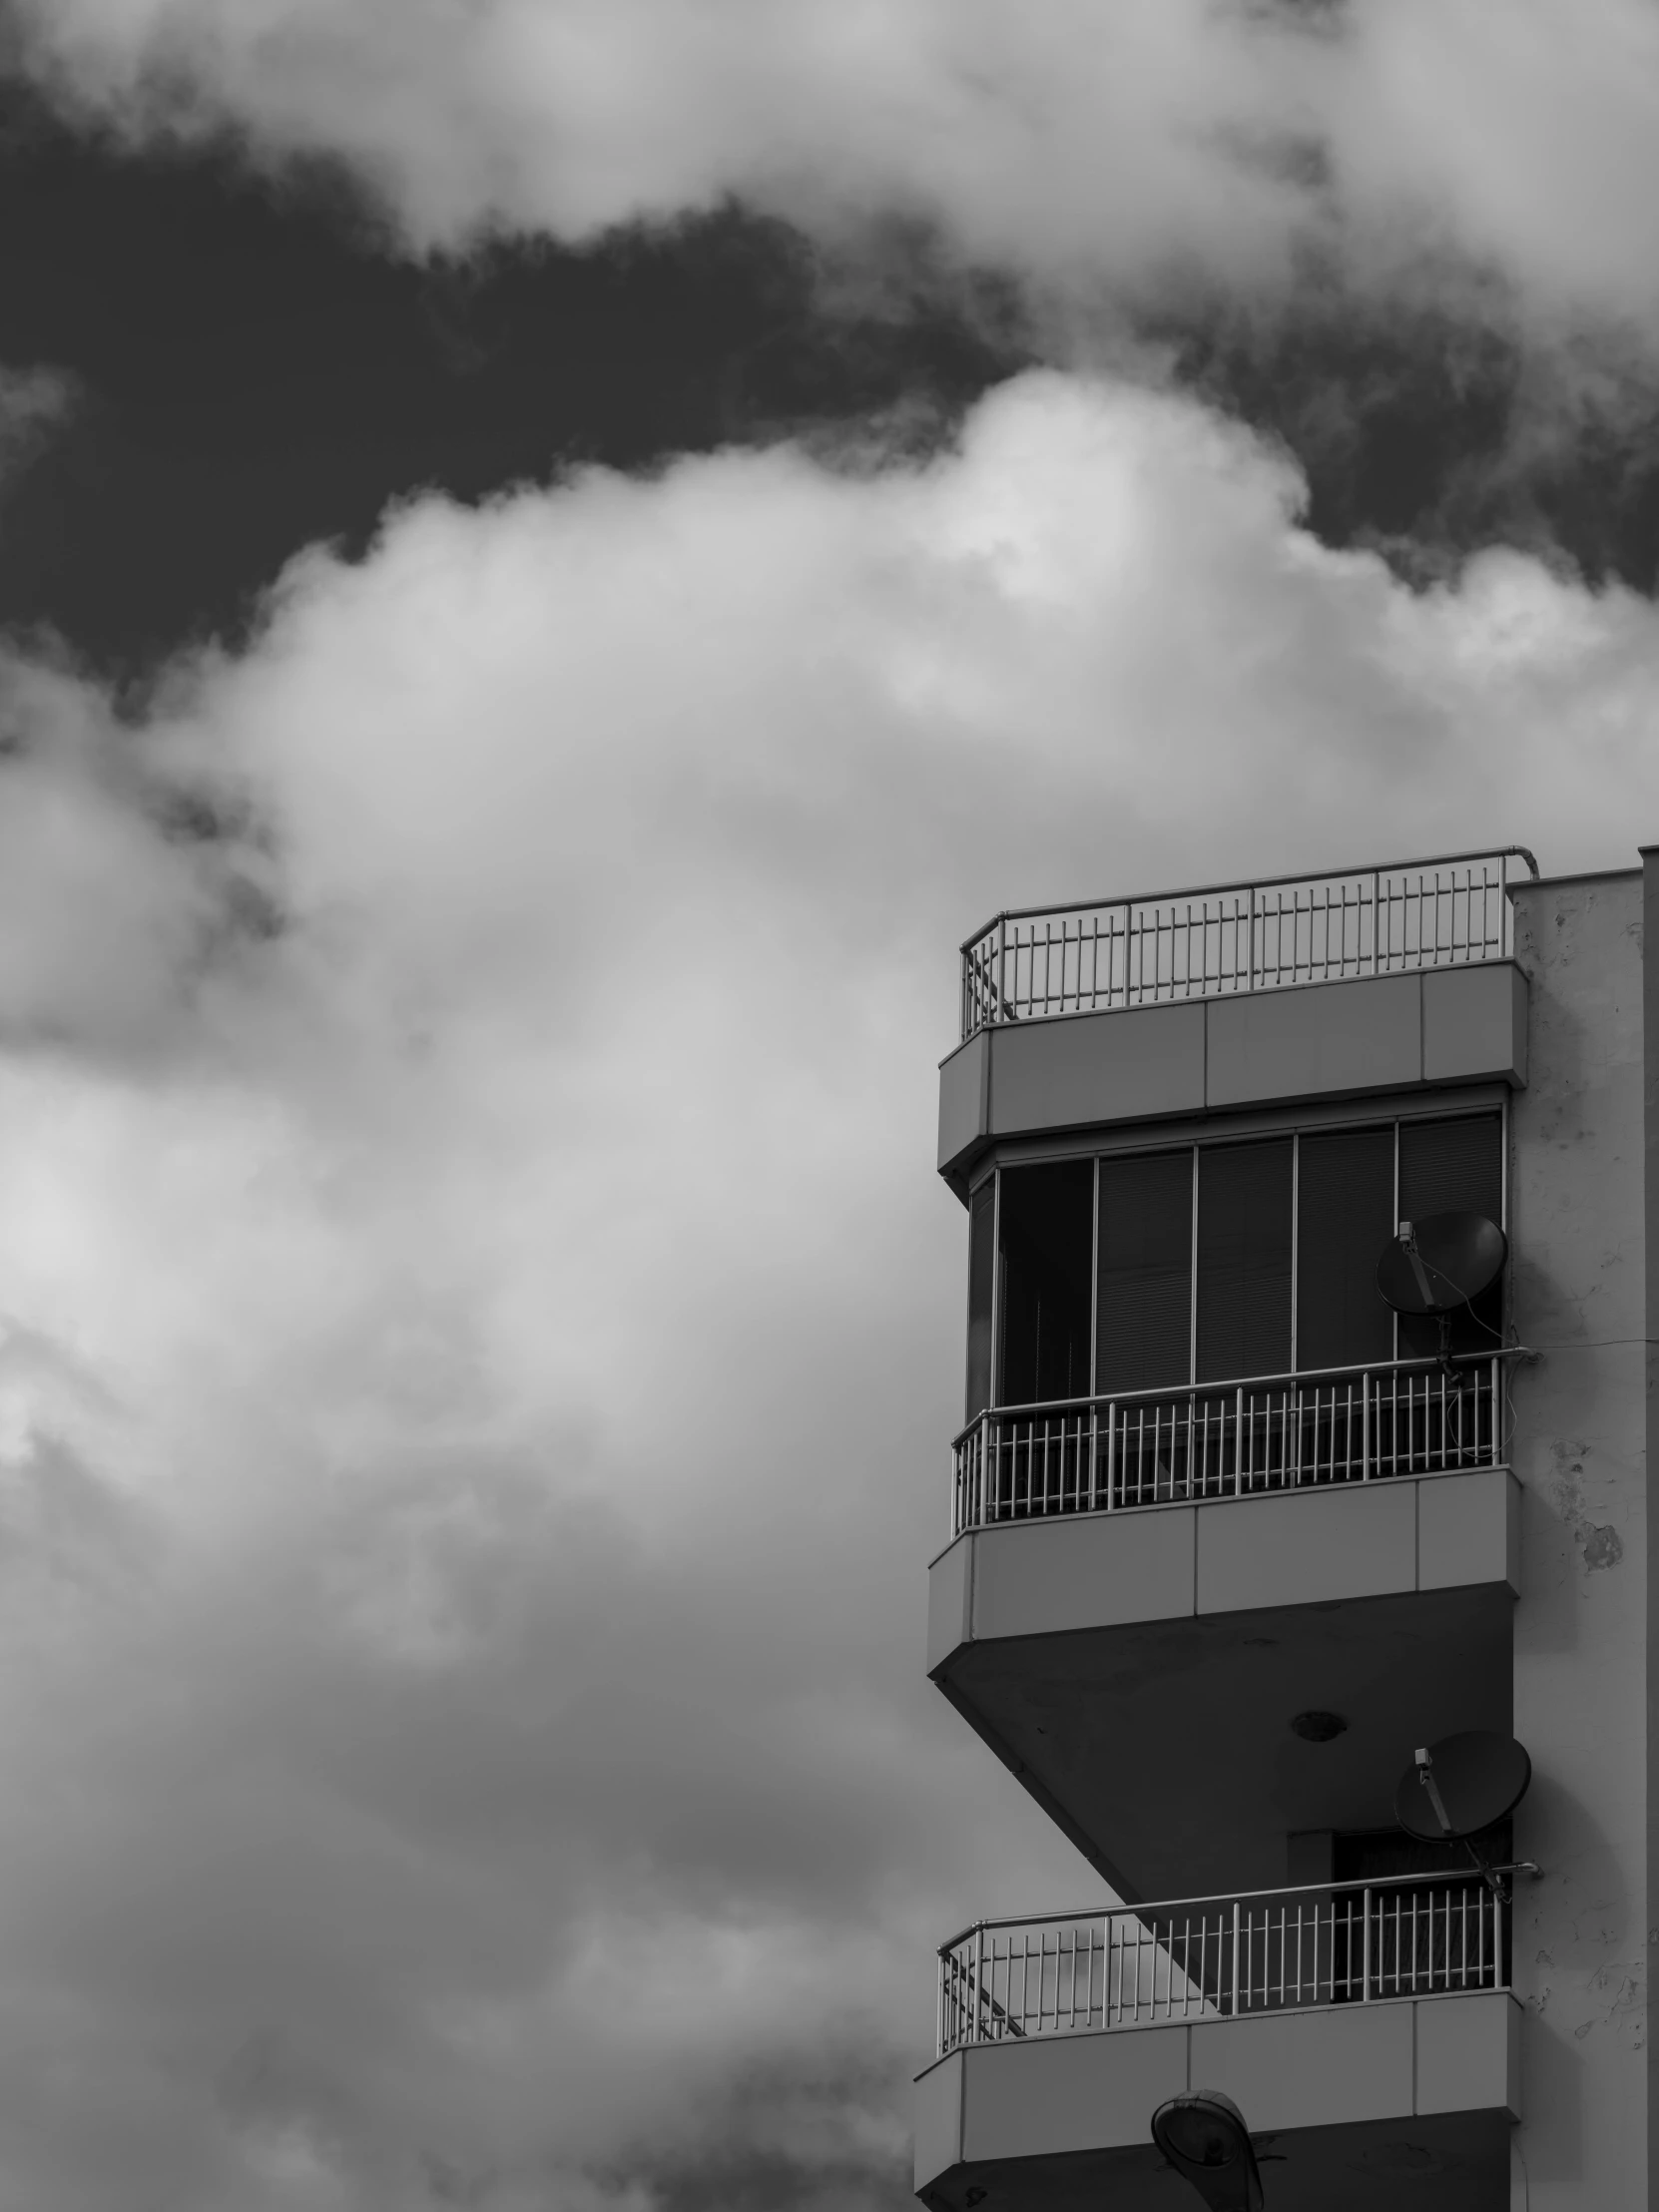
x: 1431, y: 1790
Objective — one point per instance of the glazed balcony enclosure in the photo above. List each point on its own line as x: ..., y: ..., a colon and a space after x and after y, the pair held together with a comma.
x: 1226, y: 1536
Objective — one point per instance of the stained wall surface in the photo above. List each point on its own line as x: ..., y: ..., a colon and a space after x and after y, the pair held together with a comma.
x: 1581, y: 1625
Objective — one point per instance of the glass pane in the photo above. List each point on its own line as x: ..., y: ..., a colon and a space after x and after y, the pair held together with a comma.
x: 1146, y: 1272
x: 1244, y: 1260
x: 981, y: 1275
x: 1345, y: 1218
x: 1048, y: 1239
x: 1453, y: 1167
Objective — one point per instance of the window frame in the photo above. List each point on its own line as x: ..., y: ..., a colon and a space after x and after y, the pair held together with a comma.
x: 1464, y: 1110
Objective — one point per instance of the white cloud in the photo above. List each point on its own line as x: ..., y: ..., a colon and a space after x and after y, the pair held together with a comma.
x: 480, y: 1357
x: 1146, y: 146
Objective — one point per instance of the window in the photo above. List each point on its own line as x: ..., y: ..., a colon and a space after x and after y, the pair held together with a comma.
x: 982, y: 1277
x: 1046, y: 1239
x: 1244, y: 1259
x: 1447, y: 1166
x: 1145, y: 1297
x: 1345, y: 1216
x: 1215, y: 1262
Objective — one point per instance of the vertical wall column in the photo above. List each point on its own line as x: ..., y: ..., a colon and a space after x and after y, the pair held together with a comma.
x: 1582, y: 1656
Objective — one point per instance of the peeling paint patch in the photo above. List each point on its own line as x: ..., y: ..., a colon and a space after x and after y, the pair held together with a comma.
x: 1602, y: 1548
x: 1600, y: 1545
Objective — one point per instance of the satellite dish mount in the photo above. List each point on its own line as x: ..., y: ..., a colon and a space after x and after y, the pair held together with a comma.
x: 1435, y: 1267
x: 1456, y: 1790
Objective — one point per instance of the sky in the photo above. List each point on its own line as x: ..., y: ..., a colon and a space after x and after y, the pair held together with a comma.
x: 555, y: 559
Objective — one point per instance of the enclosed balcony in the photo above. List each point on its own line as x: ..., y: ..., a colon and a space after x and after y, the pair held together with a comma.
x: 1210, y: 1486
x: 1364, y: 2028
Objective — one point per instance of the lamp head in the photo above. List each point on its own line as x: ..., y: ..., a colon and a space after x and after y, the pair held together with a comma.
x: 1204, y: 2137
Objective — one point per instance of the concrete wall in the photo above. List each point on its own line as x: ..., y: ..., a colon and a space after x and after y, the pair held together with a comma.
x: 1326, y: 2069
x: 1300, y: 1547
x: 1581, y: 1626
x: 1376, y: 1033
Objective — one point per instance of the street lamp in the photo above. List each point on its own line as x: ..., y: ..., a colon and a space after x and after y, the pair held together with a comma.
x: 1204, y: 2137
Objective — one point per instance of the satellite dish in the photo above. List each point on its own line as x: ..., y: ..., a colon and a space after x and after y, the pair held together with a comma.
x: 1461, y: 1786
x: 1437, y: 1265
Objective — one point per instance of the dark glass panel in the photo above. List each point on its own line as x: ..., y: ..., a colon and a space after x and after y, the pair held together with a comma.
x: 1244, y: 1260
x: 981, y: 1275
x: 1047, y: 1241
x: 1345, y: 1218
x: 1453, y: 1167
x: 1146, y: 1272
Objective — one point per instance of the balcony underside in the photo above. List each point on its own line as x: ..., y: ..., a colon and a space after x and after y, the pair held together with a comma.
x: 1357, y: 2107
x: 1139, y: 1672
x: 1451, y: 2164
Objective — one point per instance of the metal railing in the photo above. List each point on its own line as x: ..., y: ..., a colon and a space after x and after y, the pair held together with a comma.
x: 1219, y: 938
x: 1348, y: 1942
x: 1227, y: 1439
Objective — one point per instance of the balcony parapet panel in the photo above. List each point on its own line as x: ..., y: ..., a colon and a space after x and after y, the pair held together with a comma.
x: 1393, y: 1035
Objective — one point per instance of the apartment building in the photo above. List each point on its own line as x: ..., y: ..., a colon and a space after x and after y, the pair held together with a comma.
x: 1232, y: 1539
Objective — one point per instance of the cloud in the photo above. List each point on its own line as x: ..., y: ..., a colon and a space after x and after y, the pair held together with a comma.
x: 1150, y: 150
x: 480, y: 1330
x: 33, y: 404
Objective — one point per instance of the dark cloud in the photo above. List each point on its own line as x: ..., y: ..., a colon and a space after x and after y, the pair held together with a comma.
x: 1376, y: 234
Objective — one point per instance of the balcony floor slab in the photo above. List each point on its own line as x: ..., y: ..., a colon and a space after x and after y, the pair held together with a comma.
x: 1156, y: 1728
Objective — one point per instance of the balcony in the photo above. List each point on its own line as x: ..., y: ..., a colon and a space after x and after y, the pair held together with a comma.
x: 1382, y: 984
x: 1201, y: 1568
x: 1224, y: 938
x: 1366, y: 2031
x: 1221, y: 1958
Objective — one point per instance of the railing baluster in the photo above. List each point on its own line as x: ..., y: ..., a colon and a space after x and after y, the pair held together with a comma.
x: 1365, y: 1959
x: 1365, y: 1428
